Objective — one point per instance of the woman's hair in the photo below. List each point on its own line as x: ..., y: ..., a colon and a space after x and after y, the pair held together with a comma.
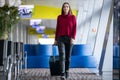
x: 70, y: 10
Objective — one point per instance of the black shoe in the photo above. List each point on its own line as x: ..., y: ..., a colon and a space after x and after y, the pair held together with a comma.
x: 67, y: 74
x: 63, y: 78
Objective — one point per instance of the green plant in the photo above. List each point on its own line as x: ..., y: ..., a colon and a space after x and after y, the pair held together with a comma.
x: 8, y: 18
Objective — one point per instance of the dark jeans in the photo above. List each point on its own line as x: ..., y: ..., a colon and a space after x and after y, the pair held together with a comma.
x: 64, y: 48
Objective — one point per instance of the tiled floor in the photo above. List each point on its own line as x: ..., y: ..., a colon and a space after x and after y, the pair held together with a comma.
x: 44, y: 74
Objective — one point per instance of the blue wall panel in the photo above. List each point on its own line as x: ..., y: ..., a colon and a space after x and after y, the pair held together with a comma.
x: 30, y: 49
x: 37, y: 62
x: 83, y: 62
x: 44, y: 50
x: 76, y: 62
x: 81, y: 50
x: 38, y: 56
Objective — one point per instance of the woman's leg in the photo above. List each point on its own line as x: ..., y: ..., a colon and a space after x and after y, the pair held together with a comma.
x: 68, y: 49
x: 61, y: 49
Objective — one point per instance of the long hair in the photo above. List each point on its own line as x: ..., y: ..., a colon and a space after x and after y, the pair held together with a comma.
x: 70, y: 10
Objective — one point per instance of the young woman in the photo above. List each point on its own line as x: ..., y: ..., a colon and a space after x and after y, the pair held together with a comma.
x: 64, y: 37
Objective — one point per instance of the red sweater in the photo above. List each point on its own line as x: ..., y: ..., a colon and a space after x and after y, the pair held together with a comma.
x: 66, y: 26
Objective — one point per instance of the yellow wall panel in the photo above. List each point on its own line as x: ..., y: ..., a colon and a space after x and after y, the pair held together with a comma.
x: 47, y: 12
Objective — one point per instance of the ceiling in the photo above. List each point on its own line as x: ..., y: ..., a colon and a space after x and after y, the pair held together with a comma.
x: 55, y: 3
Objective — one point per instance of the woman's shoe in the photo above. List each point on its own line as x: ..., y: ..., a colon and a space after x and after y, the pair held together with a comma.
x: 67, y: 74
x: 63, y: 78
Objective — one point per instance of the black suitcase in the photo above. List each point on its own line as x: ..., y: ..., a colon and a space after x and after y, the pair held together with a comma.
x: 54, y: 64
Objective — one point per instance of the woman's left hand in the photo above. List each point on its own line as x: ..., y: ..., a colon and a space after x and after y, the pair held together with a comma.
x: 72, y: 41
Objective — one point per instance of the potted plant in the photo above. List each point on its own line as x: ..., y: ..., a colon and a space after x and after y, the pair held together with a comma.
x: 8, y: 18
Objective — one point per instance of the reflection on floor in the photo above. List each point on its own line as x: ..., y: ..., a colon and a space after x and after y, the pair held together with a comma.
x: 44, y: 74
x: 116, y: 74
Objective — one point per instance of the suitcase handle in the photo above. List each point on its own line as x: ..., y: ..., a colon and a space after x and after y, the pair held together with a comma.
x: 53, y: 46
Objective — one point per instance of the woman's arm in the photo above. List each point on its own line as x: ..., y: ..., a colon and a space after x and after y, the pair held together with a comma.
x: 74, y: 28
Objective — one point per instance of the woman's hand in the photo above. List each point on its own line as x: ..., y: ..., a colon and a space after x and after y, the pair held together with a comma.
x: 72, y: 41
x: 55, y: 42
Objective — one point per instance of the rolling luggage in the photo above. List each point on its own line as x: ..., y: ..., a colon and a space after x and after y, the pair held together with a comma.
x: 54, y: 64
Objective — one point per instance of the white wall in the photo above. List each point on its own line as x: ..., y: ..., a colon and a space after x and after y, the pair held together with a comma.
x: 19, y: 32
x: 95, y: 16
x: 108, y: 59
x: 102, y: 29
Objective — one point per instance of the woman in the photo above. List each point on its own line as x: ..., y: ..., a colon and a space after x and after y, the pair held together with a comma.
x: 64, y: 37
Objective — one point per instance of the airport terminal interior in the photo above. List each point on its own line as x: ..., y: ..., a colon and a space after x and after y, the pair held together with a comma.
x: 27, y: 35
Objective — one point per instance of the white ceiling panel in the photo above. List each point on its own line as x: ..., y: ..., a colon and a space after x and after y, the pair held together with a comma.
x: 55, y: 3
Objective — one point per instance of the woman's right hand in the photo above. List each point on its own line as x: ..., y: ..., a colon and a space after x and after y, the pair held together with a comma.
x: 55, y: 42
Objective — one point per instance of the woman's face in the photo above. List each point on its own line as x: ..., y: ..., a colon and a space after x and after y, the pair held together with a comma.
x: 66, y: 8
